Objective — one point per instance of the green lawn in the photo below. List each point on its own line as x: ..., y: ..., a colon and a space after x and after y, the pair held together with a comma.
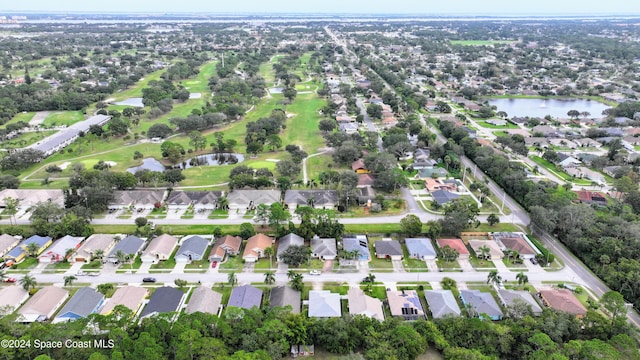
x: 23, y: 116
x: 26, y: 139
x: 485, y: 124
x: 136, y: 90
x: 302, y: 129
x: 60, y: 118
x: 166, y: 264
x: 27, y: 263
x: 556, y: 171
x: 233, y: 263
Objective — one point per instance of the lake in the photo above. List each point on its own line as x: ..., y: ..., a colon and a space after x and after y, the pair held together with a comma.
x: 150, y: 164
x: 557, y: 108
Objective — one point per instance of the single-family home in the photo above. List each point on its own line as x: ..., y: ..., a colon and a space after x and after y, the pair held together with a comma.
x: 159, y: 249
x: 286, y: 241
x: 361, y: 304
x: 611, y: 170
x: 285, y: 296
x: 405, y: 304
x: 481, y: 303
x: 129, y: 246
x: 422, y: 154
x: 357, y: 243
x: 442, y: 303
x: 28, y: 198
x: 324, y: 304
x: 420, y: 248
x: 61, y: 249
x: 513, y: 297
x: 248, y: 199
x: 455, y: 244
x: 131, y: 297
x: 562, y: 300
x: 93, y: 244
x: 591, y: 197
x: 11, y: 297
x: 494, y: 251
x: 43, y: 304
x: 423, y: 164
x: 540, y: 142
x: 140, y: 199
x: 545, y: 130
x: 192, y: 248
x: 516, y: 242
x: 359, y: 167
x: 204, y: 300
x: 254, y: 249
x: 443, y: 196
x: 348, y: 128
x: 164, y: 300
x: 19, y: 252
x: 570, y: 162
x: 83, y: 303
x: 323, y: 248
x: 319, y: 199
x: 245, y: 297
x: 198, y: 200
x: 437, y: 184
x: 388, y: 249
x: 226, y: 245
x: 7, y: 242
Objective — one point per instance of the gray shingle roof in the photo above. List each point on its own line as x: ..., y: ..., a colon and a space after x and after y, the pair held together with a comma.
x: 357, y: 242
x: 129, y: 245
x: 442, y: 196
x: 164, y: 299
x: 83, y: 303
x: 320, y: 197
x: 194, y: 246
x: 246, y: 297
x: 53, y: 141
x: 483, y: 303
x: 283, y: 296
x: 288, y: 240
x: 509, y: 297
x: 324, y: 247
x: 204, y: 300
x: 442, y: 303
x: 420, y: 247
x: 391, y: 248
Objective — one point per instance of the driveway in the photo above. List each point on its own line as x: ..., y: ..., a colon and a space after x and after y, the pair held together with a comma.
x: 397, y: 266
x: 531, y: 267
x: 432, y: 265
x: 465, y: 265
x: 179, y: 268
x: 249, y: 267
x: 363, y: 266
x: 144, y: 268
x: 282, y: 268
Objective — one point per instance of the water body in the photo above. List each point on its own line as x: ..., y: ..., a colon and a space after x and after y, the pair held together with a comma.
x: 150, y: 164
x: 557, y: 108
x: 211, y: 160
x: 135, y: 102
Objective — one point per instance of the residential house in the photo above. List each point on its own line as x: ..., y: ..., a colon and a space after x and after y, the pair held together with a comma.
x: 61, y: 249
x: 361, y: 304
x: 563, y: 143
x: 226, y: 245
x: 540, y: 142
x: 323, y: 248
x: 129, y: 246
x: 29, y: 198
x: 83, y: 303
x: 516, y: 242
x: 587, y: 142
x: 249, y: 199
x: 204, y: 300
x: 482, y: 304
x: 7, y: 242
x: 432, y: 172
x: 359, y: 167
x: 349, y: 128
x: 545, y: 130
x: 591, y: 197
x: 164, y: 300
x: 562, y: 300
x: 437, y: 184
x: 443, y: 196
x: 359, y: 243
x: 198, y: 200
x: 254, y: 249
x: 245, y: 297
x: 11, y: 297
x: 319, y: 199
x: 513, y: 297
x: 18, y: 253
x: 495, y: 253
x: 420, y: 248
x: 422, y: 154
x: 570, y: 162
x: 139, y: 199
x: 442, y: 303
x: 131, y: 297
x: 286, y: 241
x: 405, y: 304
x: 423, y: 164
x: 366, y: 180
x: 94, y: 243
x: 612, y: 170
x: 43, y: 304
x: 192, y: 248
x: 388, y: 249
x: 324, y: 304
x: 159, y: 249
x: 285, y: 296
x: 455, y: 244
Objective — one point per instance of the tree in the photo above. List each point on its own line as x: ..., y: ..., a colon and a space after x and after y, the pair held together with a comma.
x: 121, y: 256
x: 274, y: 142
x: 434, y: 229
x: 375, y: 111
x: 11, y: 208
x: 290, y: 93
x: 484, y: 252
x: 141, y: 221
x: 615, y: 305
x: 32, y: 249
x: 522, y: 278
x: 277, y: 215
x: 494, y: 278
x: 104, y: 289
x: 173, y: 176
x: 268, y: 251
x: 159, y: 131
x: 449, y: 254
x: 493, y: 219
x: 232, y: 279
x: 28, y: 282
x: 68, y: 280
x: 180, y: 283
x: 407, y: 342
x: 448, y: 283
x: 269, y: 277
x: 294, y: 255
x: 574, y: 114
x: 247, y: 230
x: 411, y: 225
x: 327, y: 125
x: 288, y: 168
x: 296, y: 282
x: 459, y: 214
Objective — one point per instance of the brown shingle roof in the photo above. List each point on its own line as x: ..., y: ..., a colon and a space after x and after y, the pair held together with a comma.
x: 258, y: 241
x: 563, y: 300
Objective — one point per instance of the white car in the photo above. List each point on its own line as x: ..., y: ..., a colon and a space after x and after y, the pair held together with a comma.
x: 315, y: 272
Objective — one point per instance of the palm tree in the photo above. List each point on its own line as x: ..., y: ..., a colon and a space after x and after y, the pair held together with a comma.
x: 68, y: 280
x: 470, y: 310
x: 232, y: 279
x: 121, y: 256
x: 296, y: 282
x: 223, y: 203
x: 493, y: 277
x: 99, y: 254
x: 28, y: 282
x: 269, y: 277
x: 268, y: 251
x: 291, y: 274
x: 32, y: 249
x: 522, y: 278
x: 370, y: 278
x: 3, y: 275
x: 105, y: 288
x: 11, y: 208
x: 484, y: 252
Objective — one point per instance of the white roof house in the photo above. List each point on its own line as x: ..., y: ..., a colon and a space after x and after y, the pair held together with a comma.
x: 11, y: 297
x: 58, y: 251
x: 324, y: 304
x: 361, y: 304
x: 160, y: 248
x: 43, y: 304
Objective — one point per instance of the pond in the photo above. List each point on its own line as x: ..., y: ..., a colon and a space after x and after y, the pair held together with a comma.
x: 135, y: 102
x: 211, y: 160
x: 557, y: 108
x: 148, y: 164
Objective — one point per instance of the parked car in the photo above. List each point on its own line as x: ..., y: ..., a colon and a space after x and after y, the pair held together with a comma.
x: 10, y: 280
x: 214, y: 264
x: 315, y: 272
x: 149, y: 280
x: 534, y: 261
x: 81, y: 273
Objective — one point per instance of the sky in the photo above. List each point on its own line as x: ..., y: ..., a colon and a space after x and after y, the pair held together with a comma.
x: 480, y: 7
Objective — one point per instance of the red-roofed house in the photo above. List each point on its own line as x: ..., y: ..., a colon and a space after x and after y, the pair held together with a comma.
x: 514, y: 241
x: 437, y: 184
x: 563, y: 300
x: 591, y: 197
x: 457, y: 245
x: 365, y: 180
x: 254, y: 249
x: 358, y: 167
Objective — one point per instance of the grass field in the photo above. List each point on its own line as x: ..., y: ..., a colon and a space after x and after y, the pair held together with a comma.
x: 559, y: 173
x: 24, y: 116
x: 60, y: 118
x: 26, y: 139
x: 136, y: 91
x: 484, y: 124
x: 481, y: 42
